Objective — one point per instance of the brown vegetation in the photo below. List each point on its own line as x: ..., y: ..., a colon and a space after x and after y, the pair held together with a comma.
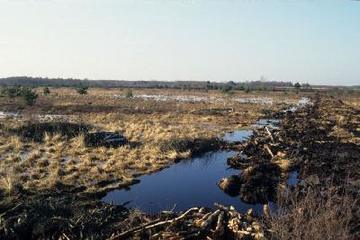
x: 316, y: 214
x: 48, y: 187
x: 44, y: 145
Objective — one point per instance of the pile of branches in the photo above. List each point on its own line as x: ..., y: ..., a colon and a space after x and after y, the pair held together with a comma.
x: 198, y: 223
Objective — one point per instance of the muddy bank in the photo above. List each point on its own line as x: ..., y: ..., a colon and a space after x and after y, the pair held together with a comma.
x: 321, y: 142
x: 58, y: 216
x: 71, y: 217
x: 37, y: 131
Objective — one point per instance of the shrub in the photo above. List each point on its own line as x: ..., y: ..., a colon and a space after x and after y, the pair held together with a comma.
x: 82, y: 90
x: 29, y: 96
x: 12, y: 92
x: 129, y: 93
x: 46, y: 91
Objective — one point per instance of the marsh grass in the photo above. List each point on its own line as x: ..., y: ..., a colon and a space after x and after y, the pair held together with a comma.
x: 9, y: 181
x: 317, y: 214
x: 37, y: 131
x: 158, y: 133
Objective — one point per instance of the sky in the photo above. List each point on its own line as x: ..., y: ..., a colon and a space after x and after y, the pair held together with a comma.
x: 314, y: 41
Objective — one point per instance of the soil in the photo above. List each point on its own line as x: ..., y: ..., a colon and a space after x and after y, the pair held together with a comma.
x: 37, y: 131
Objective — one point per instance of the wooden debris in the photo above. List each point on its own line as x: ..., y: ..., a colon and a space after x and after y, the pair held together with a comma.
x: 199, y: 224
x: 267, y: 148
x: 269, y: 133
x: 156, y: 223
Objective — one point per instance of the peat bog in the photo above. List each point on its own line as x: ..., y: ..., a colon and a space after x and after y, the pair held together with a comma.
x: 194, y: 165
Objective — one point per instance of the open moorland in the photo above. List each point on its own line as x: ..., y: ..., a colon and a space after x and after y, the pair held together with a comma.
x: 57, y: 163
x: 160, y: 126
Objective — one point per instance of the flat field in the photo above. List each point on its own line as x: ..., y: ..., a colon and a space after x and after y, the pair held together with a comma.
x: 153, y: 120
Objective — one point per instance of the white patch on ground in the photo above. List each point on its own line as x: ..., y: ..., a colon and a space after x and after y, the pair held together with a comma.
x: 303, y: 102
x: 52, y: 117
x: 8, y: 115
x: 260, y: 100
x: 192, y: 98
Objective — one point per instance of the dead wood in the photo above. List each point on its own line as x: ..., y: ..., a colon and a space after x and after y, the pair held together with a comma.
x: 156, y: 223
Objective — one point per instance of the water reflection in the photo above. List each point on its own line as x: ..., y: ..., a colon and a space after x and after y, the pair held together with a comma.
x: 187, y: 184
x: 237, y: 136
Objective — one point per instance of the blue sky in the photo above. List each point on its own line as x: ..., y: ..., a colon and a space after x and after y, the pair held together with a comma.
x: 217, y: 40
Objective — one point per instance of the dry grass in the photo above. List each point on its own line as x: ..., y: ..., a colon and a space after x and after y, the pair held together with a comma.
x: 318, y: 214
x: 147, y: 124
x: 9, y: 181
x: 7, y: 184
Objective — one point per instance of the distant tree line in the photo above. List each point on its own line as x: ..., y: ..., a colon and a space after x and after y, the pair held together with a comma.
x: 78, y: 83
x: 226, y: 87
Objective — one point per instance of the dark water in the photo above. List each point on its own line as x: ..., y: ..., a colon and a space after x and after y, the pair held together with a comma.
x: 191, y: 182
x: 187, y: 184
x: 293, y: 178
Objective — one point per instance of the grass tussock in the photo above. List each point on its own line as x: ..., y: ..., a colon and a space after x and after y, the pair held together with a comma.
x: 9, y: 182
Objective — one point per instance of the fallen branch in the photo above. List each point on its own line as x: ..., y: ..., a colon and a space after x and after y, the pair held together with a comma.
x: 269, y: 133
x: 219, y: 230
x: 154, y: 224
x: 269, y: 151
x: 209, y: 219
x: 12, y: 209
x: 266, y: 211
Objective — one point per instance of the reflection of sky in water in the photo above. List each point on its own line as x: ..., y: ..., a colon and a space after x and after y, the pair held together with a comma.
x: 186, y: 184
x: 236, y: 136
x: 293, y: 178
x: 190, y: 182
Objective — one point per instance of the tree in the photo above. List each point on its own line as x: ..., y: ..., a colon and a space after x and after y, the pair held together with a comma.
x: 297, y: 87
x: 46, y: 91
x: 82, y: 90
x: 29, y: 96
